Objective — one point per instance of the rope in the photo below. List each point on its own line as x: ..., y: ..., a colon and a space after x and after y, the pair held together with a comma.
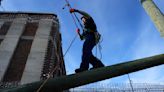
x: 130, y: 83
x: 96, y: 51
x: 68, y: 4
x: 74, y: 21
x: 70, y: 45
x: 74, y: 14
x: 100, y: 47
x: 47, y: 79
x: 56, y: 67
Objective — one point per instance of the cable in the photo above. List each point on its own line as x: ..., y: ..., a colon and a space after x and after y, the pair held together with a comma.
x: 66, y: 50
x: 45, y: 81
x: 96, y: 51
x: 57, y: 65
x: 70, y: 46
x: 74, y: 14
x: 69, y: 6
x: 100, y: 47
x: 130, y: 83
x: 74, y: 21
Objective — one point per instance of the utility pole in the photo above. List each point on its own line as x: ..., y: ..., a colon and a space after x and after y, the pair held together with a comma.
x: 155, y: 14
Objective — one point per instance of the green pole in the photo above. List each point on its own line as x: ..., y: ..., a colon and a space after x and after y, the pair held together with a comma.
x: 79, y: 79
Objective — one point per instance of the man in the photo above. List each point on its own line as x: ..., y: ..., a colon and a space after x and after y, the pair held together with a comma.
x: 91, y: 37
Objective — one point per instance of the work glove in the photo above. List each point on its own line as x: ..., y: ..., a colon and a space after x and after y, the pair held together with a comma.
x: 78, y: 32
x: 72, y: 10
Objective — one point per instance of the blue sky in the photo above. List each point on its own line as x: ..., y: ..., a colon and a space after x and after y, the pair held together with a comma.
x: 128, y: 32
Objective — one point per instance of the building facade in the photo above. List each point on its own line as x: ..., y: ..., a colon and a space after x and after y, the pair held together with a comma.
x: 30, y: 47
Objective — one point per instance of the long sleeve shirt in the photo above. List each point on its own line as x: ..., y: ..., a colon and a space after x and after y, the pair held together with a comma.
x: 89, y: 25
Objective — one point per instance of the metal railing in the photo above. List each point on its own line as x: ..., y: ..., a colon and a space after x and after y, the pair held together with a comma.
x: 9, y: 84
x: 120, y: 87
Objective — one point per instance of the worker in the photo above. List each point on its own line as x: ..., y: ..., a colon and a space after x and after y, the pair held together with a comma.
x: 91, y: 37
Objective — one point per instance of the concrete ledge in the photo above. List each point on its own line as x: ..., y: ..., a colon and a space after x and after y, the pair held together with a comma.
x: 38, y: 51
x: 1, y: 23
x: 39, y: 45
x: 44, y: 28
x: 33, y: 67
x: 8, y: 45
x: 4, y: 62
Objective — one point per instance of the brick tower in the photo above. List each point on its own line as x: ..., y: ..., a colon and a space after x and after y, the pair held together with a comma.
x: 30, y: 47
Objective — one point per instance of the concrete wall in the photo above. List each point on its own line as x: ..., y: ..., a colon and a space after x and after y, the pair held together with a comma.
x: 155, y: 14
x: 9, y: 44
x: 33, y: 68
x: 1, y: 23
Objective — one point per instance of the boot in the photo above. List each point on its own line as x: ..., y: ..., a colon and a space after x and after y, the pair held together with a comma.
x: 80, y: 70
x: 96, y: 63
x: 97, y: 67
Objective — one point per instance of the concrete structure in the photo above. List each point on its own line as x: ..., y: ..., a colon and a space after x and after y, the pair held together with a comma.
x: 8, y: 45
x: 30, y: 47
x: 156, y: 15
